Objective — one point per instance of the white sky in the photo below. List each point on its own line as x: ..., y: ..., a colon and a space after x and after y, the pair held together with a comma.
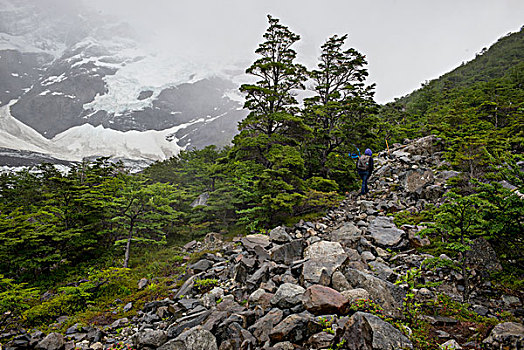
x: 406, y: 42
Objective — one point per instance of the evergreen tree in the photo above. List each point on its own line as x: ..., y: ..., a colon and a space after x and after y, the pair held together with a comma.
x: 340, y: 112
x: 143, y: 213
x: 269, y: 136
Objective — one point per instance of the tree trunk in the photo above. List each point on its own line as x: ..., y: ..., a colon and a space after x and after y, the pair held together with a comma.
x: 128, y: 245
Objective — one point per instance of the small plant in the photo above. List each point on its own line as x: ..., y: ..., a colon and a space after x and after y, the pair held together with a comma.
x: 367, y: 305
x: 339, y: 345
x: 411, y: 308
x: 327, y: 325
x: 121, y: 346
x: 205, y: 285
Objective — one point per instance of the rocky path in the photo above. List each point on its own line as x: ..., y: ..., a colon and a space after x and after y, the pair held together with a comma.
x: 294, y: 288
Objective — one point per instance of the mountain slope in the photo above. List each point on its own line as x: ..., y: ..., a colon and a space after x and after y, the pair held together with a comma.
x: 79, y: 73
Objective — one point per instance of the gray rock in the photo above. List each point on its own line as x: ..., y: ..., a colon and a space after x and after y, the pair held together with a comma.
x: 323, y: 259
x: 385, y: 294
x: 210, y: 298
x: 186, y: 322
x: 383, y: 271
x: 285, y: 345
x: 365, y: 331
x: 201, y: 265
x: 250, y: 241
x: 448, y: 174
x: 279, y: 235
x: 128, y: 307
x: 288, y: 295
x: 347, y: 235
x: 265, y: 324
x: 507, y: 335
x: 287, y: 253
x: 368, y: 256
x: 53, y: 341
x: 295, y: 328
x: 196, y: 338
x: 385, y: 233
x: 482, y: 257
x: 339, y: 282
x: 260, y: 297
x: 201, y: 200
x: 151, y: 337
x: 142, y: 283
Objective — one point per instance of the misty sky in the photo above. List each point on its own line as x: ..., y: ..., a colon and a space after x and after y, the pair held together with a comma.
x: 406, y: 42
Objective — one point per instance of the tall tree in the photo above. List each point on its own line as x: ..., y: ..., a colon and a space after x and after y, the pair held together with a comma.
x: 270, y: 135
x: 339, y: 112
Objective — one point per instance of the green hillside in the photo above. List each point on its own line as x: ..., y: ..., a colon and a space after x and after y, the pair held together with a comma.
x: 482, y: 99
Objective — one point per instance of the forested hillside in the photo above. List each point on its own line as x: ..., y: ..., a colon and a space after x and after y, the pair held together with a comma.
x: 98, y: 246
x: 478, y: 107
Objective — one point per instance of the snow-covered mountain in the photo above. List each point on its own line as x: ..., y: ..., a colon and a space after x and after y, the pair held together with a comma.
x: 76, y: 84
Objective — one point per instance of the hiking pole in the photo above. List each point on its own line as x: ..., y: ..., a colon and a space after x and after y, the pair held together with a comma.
x: 387, y: 145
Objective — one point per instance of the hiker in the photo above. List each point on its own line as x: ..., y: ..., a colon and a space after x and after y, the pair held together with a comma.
x: 364, y: 169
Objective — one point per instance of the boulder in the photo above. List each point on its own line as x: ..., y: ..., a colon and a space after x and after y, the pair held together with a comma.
x: 288, y: 295
x: 385, y: 294
x: 385, y: 233
x: 196, y: 338
x: 250, y: 241
x: 260, y: 297
x: 287, y: 253
x: 279, y: 235
x: 295, y: 328
x: 53, y: 341
x: 347, y: 235
x: 323, y: 258
x: 365, y: 331
x: 151, y: 337
x: 263, y: 326
x: 321, y: 300
x: 507, y: 335
x: 450, y: 345
x: 339, y: 282
x: 425, y: 146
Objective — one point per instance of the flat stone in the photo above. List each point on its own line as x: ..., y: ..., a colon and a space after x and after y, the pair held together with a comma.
x: 385, y: 233
x: 250, y: 241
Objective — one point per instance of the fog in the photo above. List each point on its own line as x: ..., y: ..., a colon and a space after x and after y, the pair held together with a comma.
x: 406, y: 42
